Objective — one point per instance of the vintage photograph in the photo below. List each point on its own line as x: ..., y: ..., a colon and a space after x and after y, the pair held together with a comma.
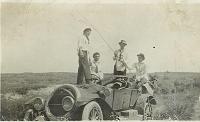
x: 100, y: 60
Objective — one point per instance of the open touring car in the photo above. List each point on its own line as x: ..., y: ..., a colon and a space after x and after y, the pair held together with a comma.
x: 87, y: 102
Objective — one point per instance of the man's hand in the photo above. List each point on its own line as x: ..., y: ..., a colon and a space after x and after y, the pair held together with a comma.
x: 122, y: 60
x: 90, y: 62
x: 81, y: 54
x: 114, y: 58
x: 125, y: 64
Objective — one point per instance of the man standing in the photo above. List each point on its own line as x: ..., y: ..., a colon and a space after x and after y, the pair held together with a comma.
x: 96, y: 68
x: 83, y: 54
x: 120, y: 58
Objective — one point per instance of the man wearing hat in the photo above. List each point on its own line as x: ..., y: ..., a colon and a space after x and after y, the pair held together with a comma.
x: 83, y: 54
x: 141, y: 72
x: 120, y: 58
x: 140, y: 66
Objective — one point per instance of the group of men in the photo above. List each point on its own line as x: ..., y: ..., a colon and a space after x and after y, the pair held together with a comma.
x: 88, y: 68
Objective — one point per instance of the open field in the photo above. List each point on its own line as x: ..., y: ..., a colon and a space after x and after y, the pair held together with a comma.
x: 177, y: 93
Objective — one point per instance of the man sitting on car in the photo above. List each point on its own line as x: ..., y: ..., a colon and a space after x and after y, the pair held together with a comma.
x: 141, y: 73
x: 95, y: 67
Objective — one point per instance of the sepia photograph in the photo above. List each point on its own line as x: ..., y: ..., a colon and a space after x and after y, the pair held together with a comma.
x: 96, y: 60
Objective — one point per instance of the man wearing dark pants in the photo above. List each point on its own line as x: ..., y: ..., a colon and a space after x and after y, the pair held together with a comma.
x: 83, y: 53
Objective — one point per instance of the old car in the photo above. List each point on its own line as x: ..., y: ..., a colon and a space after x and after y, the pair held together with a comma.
x: 86, y: 102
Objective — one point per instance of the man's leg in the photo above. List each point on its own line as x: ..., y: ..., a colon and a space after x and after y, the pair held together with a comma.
x: 86, y: 68
x: 80, y: 75
x: 120, y: 73
x: 149, y: 89
x: 124, y: 72
x: 115, y: 70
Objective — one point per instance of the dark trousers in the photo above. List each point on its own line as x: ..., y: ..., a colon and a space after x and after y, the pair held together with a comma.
x: 83, y: 69
x: 119, y: 72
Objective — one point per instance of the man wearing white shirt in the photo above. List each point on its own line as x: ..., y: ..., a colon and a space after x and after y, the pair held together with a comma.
x: 141, y: 72
x: 120, y: 58
x: 141, y: 68
x: 96, y: 68
x: 84, y: 59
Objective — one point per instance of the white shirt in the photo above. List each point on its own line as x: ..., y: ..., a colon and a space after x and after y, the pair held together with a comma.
x: 96, y: 69
x: 120, y: 55
x: 83, y: 43
x: 141, y: 70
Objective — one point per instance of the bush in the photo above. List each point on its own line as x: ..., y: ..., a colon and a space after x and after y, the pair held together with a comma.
x: 22, y: 91
x: 173, y: 91
x: 175, y: 108
x: 12, y: 109
x: 196, y: 82
x: 164, y: 90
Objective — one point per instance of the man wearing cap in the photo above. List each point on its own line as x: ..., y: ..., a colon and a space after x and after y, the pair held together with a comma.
x: 120, y: 58
x: 83, y: 54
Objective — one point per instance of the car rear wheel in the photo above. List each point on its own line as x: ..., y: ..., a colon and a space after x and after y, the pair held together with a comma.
x: 92, y: 111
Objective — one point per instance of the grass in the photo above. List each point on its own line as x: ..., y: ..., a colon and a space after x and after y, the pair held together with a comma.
x: 177, y: 96
x: 175, y: 106
x: 176, y: 93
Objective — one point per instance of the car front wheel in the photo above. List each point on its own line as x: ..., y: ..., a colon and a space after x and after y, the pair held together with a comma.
x: 92, y: 111
x: 147, y: 112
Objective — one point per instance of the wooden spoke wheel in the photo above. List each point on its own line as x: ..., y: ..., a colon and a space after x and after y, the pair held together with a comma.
x: 92, y: 111
x: 148, y: 111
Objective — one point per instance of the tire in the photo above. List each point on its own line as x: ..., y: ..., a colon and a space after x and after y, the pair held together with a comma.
x: 29, y: 115
x: 92, y: 111
x: 147, y: 112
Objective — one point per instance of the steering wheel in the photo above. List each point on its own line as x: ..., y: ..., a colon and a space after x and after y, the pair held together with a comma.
x: 118, y: 82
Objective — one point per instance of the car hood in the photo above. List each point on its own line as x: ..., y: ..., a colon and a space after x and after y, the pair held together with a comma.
x: 84, y: 92
x: 41, y: 93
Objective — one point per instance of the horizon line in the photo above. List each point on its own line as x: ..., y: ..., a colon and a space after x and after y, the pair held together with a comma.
x: 104, y: 72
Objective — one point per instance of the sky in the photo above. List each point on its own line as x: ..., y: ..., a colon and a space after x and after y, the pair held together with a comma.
x: 42, y: 37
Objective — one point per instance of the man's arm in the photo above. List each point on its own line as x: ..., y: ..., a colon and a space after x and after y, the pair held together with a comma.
x: 145, y: 72
x: 80, y: 47
x: 125, y: 62
x: 115, y: 55
x: 100, y: 72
